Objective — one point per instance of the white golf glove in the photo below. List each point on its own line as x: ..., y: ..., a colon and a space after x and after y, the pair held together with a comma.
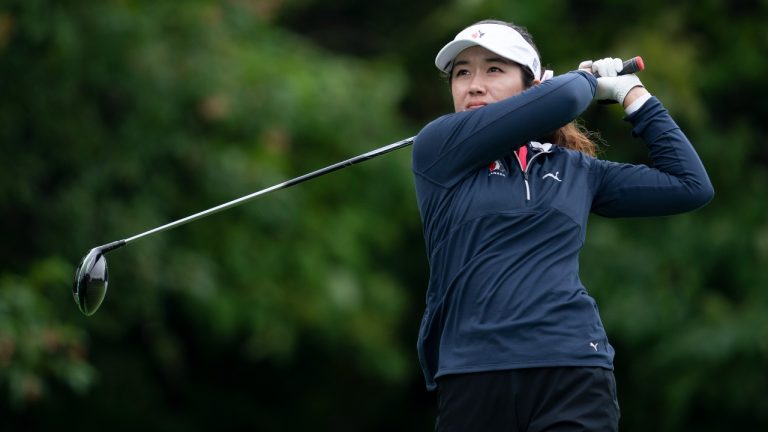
x: 610, y: 85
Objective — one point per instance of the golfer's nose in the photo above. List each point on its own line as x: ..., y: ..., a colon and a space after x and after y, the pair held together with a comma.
x: 477, y: 86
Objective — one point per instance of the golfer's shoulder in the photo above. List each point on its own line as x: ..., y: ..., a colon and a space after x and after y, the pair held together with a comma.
x: 430, y: 141
x: 575, y: 160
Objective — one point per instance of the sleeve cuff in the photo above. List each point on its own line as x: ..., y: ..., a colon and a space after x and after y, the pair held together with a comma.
x: 637, y: 104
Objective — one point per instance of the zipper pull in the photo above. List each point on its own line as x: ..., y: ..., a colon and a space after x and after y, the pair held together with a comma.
x: 527, y: 188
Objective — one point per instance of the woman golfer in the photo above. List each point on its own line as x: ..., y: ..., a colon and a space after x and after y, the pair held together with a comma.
x: 510, y: 338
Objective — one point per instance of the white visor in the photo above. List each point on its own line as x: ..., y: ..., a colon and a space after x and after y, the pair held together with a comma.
x: 498, y: 38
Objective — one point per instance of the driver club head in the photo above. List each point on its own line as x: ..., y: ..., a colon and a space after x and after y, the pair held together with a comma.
x: 90, y: 285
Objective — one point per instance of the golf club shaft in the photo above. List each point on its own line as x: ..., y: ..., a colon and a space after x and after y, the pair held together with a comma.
x: 236, y: 202
x: 630, y: 66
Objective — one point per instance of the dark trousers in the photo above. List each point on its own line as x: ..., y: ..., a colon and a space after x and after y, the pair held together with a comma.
x: 530, y: 400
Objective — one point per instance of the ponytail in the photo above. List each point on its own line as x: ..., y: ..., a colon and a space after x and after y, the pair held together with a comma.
x: 574, y: 136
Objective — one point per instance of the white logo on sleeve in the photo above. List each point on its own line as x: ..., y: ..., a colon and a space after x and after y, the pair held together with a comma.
x: 553, y: 176
x: 594, y: 345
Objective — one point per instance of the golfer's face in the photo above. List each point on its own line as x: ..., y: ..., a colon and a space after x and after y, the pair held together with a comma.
x: 481, y: 77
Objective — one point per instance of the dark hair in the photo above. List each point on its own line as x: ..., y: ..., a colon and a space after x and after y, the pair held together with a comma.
x: 573, y: 135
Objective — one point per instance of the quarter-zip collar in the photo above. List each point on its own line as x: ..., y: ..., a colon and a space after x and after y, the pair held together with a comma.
x: 536, y: 149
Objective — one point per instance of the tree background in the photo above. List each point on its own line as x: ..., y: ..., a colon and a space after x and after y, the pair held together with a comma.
x: 300, y: 310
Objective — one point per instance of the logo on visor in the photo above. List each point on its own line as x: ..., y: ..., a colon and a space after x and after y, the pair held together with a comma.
x: 477, y: 35
x: 496, y: 168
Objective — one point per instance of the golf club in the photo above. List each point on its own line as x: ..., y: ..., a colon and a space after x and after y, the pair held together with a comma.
x: 91, y: 276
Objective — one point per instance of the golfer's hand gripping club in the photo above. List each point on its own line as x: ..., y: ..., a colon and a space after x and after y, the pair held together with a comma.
x: 614, y: 78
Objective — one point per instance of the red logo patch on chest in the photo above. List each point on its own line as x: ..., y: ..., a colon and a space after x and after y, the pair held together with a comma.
x: 497, y: 168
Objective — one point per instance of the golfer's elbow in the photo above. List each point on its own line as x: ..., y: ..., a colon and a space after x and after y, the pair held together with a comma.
x: 700, y: 194
x: 579, y: 94
x: 707, y: 194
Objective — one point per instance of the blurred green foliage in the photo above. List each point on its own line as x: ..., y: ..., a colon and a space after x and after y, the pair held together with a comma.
x: 300, y: 309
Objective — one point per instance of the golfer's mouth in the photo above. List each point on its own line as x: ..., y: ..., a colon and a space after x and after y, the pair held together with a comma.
x: 475, y: 105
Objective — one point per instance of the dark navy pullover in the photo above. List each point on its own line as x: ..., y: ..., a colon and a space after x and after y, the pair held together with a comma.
x: 503, y: 243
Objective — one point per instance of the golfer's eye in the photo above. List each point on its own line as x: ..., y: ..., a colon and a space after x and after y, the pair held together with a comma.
x: 460, y: 72
x: 493, y: 69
